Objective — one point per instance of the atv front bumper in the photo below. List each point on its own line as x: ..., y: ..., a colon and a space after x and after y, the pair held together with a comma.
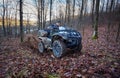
x: 73, y: 42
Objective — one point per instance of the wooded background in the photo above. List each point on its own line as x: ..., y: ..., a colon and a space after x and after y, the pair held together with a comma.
x: 73, y: 13
x: 98, y: 21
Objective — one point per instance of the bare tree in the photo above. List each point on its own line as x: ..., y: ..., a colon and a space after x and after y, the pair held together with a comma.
x: 16, y: 5
x: 73, y: 8
x: 81, y: 11
x: 110, y: 17
x: 21, y: 20
x: 67, y: 12
x: 61, y: 14
x: 9, y: 17
x: 38, y: 3
x: 68, y: 19
x: 45, y: 11
x: 93, y: 6
x: 118, y: 33
x: 50, y: 10
x: 42, y: 8
x: 103, y: 5
x: 81, y: 7
x: 85, y: 7
x: 95, y: 34
x: 73, y: 15
x: 42, y: 13
x: 38, y: 6
x: 3, y: 19
x: 107, y: 6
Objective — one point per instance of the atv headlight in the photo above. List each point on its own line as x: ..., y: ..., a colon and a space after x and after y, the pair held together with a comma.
x: 64, y: 33
x: 73, y: 34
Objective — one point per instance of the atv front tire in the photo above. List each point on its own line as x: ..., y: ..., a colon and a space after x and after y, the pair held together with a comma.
x: 59, y: 48
x: 79, y: 48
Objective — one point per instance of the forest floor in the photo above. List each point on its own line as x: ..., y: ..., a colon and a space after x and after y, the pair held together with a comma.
x: 98, y: 59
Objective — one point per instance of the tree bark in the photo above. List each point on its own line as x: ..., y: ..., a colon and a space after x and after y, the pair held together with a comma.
x: 16, y: 19
x: 43, y: 6
x: 81, y: 13
x: 95, y: 34
x: 107, y: 6
x: 66, y: 12
x: 41, y: 12
x: 73, y: 9
x: 3, y: 19
x: 93, y: 3
x: 73, y: 16
x: 110, y: 17
x: 118, y: 33
x: 38, y: 8
x: 103, y: 4
x: 50, y: 10
x: 85, y: 7
x: 21, y: 20
x: 68, y: 18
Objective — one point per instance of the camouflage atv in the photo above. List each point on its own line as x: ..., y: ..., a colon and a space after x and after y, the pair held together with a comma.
x: 59, y: 39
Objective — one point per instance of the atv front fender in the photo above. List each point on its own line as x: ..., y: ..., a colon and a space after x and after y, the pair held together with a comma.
x: 58, y: 36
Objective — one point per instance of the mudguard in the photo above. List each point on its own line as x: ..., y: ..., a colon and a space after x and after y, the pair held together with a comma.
x: 63, y: 36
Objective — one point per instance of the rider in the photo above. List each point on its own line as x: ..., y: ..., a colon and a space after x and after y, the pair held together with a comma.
x: 58, y: 24
x: 54, y: 28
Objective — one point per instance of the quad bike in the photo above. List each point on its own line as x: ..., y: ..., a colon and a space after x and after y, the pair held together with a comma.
x: 59, y: 39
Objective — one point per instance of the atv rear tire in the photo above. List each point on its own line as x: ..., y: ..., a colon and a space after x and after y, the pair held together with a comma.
x: 59, y: 48
x: 41, y: 47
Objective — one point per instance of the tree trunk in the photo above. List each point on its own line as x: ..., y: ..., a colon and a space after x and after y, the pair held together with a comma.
x: 95, y: 34
x: 68, y: 18
x: 110, y: 17
x: 41, y: 12
x: 3, y: 19
x: 43, y: 3
x: 38, y: 8
x: 85, y: 7
x: 117, y: 2
x: 93, y: 3
x: 28, y: 26
x: 66, y: 12
x: 50, y: 10
x: 73, y: 9
x: 73, y: 12
x: 6, y: 22
x: 81, y: 13
x: 103, y: 4
x: 118, y: 33
x: 107, y: 6
x: 21, y: 20
x: 111, y: 5
x: 16, y: 20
